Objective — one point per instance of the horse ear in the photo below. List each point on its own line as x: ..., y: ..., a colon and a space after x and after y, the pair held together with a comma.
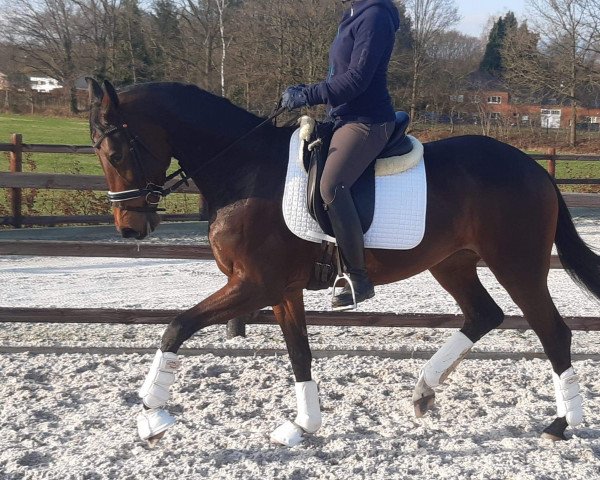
x: 95, y: 93
x: 111, y: 92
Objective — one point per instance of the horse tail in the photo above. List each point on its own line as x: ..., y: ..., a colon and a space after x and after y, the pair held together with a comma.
x: 578, y: 259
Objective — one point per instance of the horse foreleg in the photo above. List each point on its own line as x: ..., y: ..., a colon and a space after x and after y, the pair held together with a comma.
x: 458, y: 275
x: 234, y: 299
x: 291, y: 318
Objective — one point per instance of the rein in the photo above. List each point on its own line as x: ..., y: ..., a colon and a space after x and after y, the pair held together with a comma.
x: 152, y: 192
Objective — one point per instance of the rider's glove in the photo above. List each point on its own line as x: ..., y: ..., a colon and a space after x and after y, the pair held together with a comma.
x: 294, y: 97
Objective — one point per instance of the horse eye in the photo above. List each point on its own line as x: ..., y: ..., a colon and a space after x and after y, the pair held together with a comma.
x: 115, y: 158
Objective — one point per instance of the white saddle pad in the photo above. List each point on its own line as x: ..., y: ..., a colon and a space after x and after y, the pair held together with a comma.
x: 400, y: 205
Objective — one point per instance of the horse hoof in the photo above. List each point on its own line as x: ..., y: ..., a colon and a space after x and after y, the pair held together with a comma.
x: 552, y: 437
x: 153, y: 423
x: 424, y: 404
x: 556, y: 430
x: 289, y: 434
x: 153, y: 441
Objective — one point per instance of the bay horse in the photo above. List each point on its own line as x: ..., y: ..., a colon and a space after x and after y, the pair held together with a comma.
x: 486, y: 201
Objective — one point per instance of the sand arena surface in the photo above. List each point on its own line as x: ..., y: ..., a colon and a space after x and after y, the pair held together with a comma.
x: 72, y: 416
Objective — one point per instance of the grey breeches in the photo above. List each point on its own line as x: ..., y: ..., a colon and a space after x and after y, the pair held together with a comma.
x: 353, y: 147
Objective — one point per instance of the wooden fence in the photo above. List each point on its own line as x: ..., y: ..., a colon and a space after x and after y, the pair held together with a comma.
x: 266, y: 317
x: 235, y: 327
x: 16, y: 180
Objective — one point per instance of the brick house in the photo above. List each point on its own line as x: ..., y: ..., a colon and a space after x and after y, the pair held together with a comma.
x: 497, y: 104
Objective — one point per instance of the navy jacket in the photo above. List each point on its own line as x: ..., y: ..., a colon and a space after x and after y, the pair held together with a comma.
x: 356, y: 88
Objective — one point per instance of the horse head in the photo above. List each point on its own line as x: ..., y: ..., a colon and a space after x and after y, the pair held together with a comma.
x: 134, y: 154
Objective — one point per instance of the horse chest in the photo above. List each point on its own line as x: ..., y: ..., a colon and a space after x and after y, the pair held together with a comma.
x: 238, y: 232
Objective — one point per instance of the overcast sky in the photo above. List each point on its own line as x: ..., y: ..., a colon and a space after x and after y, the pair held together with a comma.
x: 475, y: 13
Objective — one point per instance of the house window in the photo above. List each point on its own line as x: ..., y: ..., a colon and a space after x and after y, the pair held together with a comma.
x: 494, y: 99
x: 457, y: 98
x: 495, y: 116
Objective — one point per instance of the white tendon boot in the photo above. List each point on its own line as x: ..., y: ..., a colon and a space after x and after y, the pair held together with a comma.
x: 308, y: 419
x: 569, y: 403
x: 155, y: 394
x: 437, y: 369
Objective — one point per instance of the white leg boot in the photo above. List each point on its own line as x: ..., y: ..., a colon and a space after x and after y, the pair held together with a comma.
x: 437, y: 369
x: 155, y: 394
x: 569, y: 403
x: 308, y: 419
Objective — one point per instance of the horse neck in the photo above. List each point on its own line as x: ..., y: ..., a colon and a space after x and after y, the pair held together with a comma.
x: 255, y: 167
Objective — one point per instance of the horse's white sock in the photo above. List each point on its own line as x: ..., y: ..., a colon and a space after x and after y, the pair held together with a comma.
x: 569, y: 403
x: 445, y: 360
x: 155, y: 390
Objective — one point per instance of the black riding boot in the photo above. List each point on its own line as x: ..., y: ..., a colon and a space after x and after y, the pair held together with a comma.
x: 348, y: 233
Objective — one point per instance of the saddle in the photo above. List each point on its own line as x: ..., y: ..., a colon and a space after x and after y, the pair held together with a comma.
x: 363, y: 191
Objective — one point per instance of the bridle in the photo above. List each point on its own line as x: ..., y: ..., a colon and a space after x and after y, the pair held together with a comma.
x: 151, y: 192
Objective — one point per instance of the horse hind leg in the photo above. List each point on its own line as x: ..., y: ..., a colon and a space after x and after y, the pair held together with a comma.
x: 458, y: 276
x: 526, y: 283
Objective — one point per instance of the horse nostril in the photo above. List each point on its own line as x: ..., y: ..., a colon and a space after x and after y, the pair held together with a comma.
x: 129, y: 233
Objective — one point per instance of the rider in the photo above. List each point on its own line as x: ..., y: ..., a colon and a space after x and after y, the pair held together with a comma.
x: 359, y: 103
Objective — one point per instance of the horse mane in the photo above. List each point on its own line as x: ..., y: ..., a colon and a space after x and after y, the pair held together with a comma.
x: 186, y: 102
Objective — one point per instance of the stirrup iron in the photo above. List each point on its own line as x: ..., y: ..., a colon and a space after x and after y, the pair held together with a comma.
x: 344, y: 276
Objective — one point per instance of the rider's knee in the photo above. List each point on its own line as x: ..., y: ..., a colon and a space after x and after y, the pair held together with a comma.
x: 327, y: 191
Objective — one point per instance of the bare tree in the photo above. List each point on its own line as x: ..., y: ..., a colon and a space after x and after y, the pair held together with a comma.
x: 222, y: 6
x: 276, y: 44
x: 97, y: 22
x: 453, y: 56
x: 430, y: 18
x: 45, y: 33
x: 564, y: 61
x: 200, y: 30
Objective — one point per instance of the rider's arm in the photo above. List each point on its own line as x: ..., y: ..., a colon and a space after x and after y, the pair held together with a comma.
x: 373, y: 34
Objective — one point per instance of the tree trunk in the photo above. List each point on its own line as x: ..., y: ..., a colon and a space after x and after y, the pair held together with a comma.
x: 208, y: 63
x: 73, y: 99
x: 573, y: 126
x: 414, y: 89
x: 221, y: 5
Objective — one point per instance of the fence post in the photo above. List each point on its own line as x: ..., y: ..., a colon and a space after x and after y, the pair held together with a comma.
x: 236, y: 327
x: 203, y: 210
x: 552, y: 162
x: 16, y: 165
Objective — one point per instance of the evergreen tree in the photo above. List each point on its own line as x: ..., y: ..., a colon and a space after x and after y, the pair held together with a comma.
x: 167, y: 43
x: 492, y: 59
x: 133, y: 60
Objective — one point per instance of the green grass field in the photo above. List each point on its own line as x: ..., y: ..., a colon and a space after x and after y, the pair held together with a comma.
x: 55, y: 130
x: 75, y: 131
x: 66, y: 131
